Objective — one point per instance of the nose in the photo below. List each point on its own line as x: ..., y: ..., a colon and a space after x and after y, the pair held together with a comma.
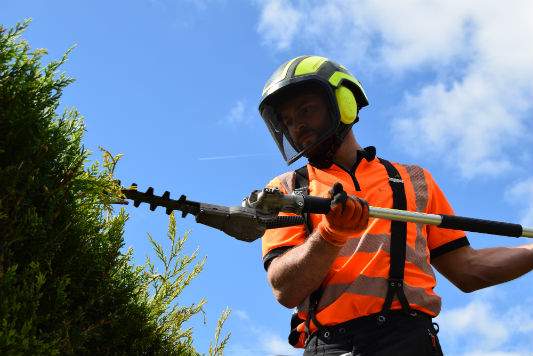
x: 297, y: 127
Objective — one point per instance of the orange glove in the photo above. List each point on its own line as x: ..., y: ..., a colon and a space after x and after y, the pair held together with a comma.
x: 348, y: 216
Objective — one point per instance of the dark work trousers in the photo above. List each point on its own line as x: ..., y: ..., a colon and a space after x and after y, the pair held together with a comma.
x: 398, y: 335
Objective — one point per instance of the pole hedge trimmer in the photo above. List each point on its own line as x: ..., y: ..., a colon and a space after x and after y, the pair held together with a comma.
x: 260, y: 210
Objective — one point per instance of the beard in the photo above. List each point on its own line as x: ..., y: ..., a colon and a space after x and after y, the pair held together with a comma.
x: 321, y: 155
x: 321, y: 151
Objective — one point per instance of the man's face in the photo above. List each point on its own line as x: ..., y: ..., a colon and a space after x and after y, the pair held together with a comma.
x: 306, y: 118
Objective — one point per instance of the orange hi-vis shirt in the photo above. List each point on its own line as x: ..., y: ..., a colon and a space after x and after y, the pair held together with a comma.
x: 356, y: 283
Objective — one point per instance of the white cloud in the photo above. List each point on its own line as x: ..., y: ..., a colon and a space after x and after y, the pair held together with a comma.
x: 262, y: 340
x: 238, y: 115
x: 467, y: 123
x: 521, y: 194
x: 276, y: 345
x: 416, y: 33
x: 484, y: 112
x: 279, y: 23
x: 486, y: 327
x: 481, y: 52
x: 241, y: 314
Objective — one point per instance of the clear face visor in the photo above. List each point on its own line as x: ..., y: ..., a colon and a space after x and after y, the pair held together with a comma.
x: 288, y: 146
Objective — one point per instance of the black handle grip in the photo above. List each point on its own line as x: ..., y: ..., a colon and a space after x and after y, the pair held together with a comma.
x: 480, y: 225
x: 316, y: 205
x: 284, y: 221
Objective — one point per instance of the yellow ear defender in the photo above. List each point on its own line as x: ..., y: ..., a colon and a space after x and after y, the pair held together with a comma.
x: 347, y: 105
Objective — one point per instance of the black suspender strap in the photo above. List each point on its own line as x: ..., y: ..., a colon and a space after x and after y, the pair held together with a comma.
x: 301, y: 186
x: 398, y: 242
x: 302, y: 178
x: 314, y: 298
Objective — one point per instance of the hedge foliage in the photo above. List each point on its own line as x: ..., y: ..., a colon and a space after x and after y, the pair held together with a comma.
x: 65, y: 285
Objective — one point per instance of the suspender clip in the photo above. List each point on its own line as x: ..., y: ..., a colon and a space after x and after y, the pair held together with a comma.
x: 395, y: 180
x: 395, y: 283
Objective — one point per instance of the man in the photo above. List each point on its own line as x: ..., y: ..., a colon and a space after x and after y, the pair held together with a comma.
x: 361, y: 286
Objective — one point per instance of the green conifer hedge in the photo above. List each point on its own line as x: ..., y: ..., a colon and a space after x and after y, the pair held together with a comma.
x: 65, y: 285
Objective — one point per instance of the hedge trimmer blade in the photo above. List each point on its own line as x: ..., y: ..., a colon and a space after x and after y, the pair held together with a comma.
x: 182, y: 204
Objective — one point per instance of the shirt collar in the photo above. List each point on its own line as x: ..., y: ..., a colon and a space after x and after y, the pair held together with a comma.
x: 368, y: 153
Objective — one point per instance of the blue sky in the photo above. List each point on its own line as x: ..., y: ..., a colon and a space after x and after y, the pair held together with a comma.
x: 174, y: 85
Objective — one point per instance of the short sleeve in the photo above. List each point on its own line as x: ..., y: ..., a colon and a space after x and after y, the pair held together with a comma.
x: 441, y: 241
x: 276, y: 241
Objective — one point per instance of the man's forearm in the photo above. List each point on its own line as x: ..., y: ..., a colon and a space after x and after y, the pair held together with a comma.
x: 300, y: 271
x: 493, y: 266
